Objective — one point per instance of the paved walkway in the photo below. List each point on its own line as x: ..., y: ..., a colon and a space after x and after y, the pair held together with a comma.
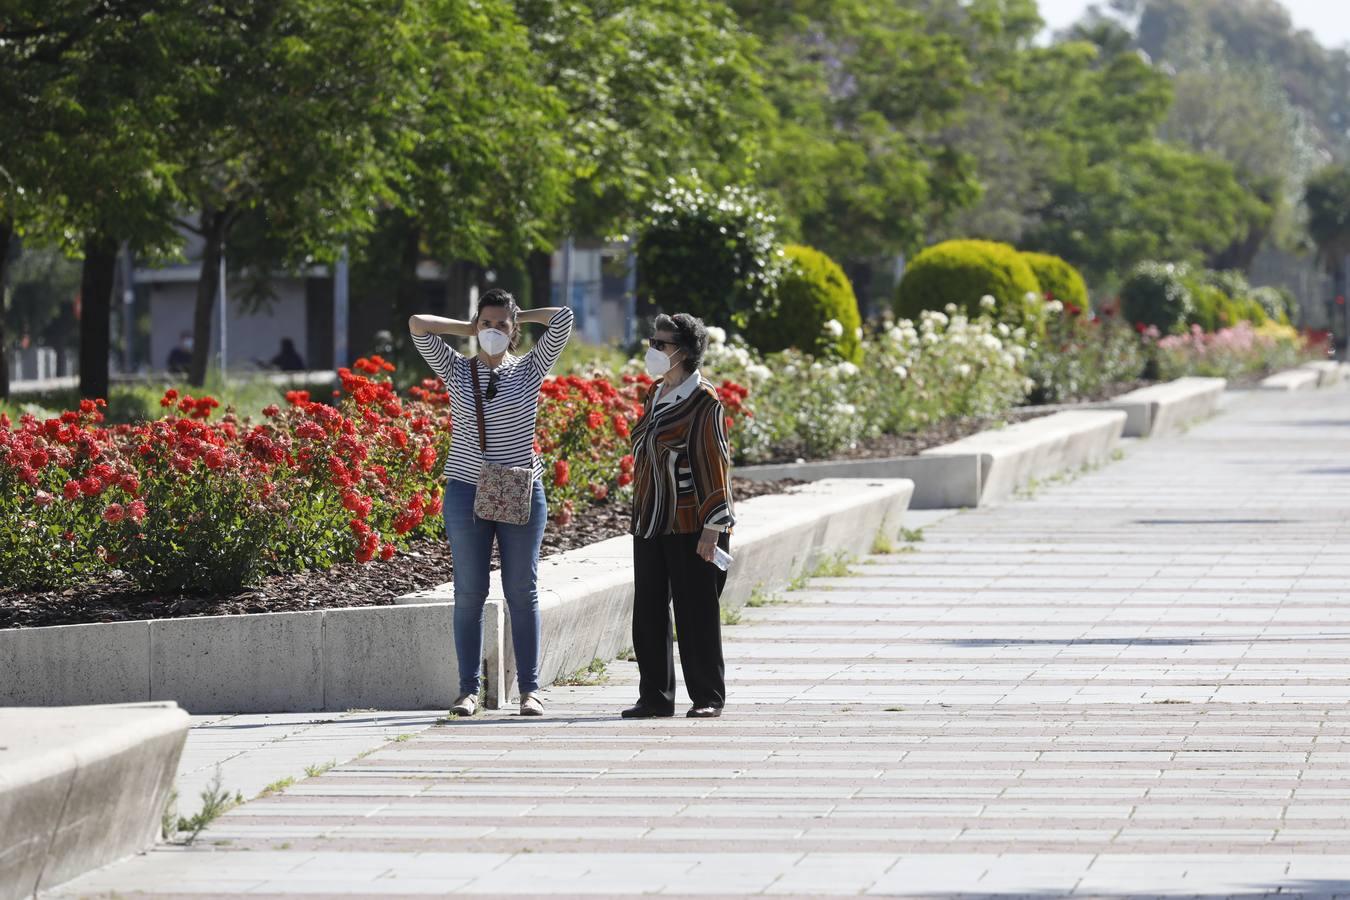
x: 1134, y: 683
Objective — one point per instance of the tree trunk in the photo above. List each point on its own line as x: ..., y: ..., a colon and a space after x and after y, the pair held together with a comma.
x: 208, y: 283
x: 6, y: 235
x: 96, y: 286
x: 540, y: 269
x: 407, y: 288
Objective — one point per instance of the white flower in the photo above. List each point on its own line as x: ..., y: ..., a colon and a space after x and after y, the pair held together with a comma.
x: 1030, y: 297
x: 789, y: 371
x: 901, y: 371
x: 1055, y: 306
x: 1009, y: 361
x: 895, y: 335
x: 963, y: 370
x: 1019, y: 352
x: 834, y: 328
x: 847, y: 369
x: 988, y: 302
x: 956, y: 340
x: 857, y: 332
x: 930, y: 338
x: 991, y: 343
x: 759, y: 372
x: 716, y: 335
x: 950, y: 309
x: 937, y: 317
x: 1003, y: 329
x: 845, y: 409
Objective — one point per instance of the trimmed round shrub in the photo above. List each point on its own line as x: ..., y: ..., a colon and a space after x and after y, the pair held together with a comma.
x: 1157, y: 294
x: 1059, y: 280
x: 963, y: 272
x: 1279, y: 304
x: 1211, y: 308
x: 713, y: 254
x: 813, y: 292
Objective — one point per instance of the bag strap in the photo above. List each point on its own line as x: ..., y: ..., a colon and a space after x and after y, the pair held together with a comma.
x: 478, y: 402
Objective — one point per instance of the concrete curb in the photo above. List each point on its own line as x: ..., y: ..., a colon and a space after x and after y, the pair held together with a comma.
x: 1166, y: 408
x: 1014, y: 457
x: 377, y: 657
x: 1292, y: 380
x: 1329, y: 372
x: 586, y: 595
x: 81, y: 787
x: 983, y: 468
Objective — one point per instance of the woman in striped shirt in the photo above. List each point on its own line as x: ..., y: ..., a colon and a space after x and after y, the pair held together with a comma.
x: 682, y: 514
x: 510, y: 400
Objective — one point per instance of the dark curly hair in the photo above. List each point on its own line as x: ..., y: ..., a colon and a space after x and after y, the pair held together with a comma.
x: 504, y: 299
x: 690, y: 335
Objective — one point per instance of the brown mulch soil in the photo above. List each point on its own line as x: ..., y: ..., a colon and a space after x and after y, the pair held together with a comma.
x: 425, y: 564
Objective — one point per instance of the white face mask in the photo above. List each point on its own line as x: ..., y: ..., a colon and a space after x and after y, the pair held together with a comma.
x: 658, y: 363
x: 493, y: 342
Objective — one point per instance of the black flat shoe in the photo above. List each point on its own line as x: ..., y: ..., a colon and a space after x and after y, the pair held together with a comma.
x: 639, y: 711
x: 704, y: 712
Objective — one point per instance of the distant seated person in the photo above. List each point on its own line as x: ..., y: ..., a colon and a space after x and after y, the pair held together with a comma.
x: 180, y: 357
x: 288, y: 360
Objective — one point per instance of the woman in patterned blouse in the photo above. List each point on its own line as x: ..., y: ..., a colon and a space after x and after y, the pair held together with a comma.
x: 682, y: 514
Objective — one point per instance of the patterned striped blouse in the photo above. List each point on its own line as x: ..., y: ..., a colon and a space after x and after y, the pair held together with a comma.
x: 682, y: 465
x: 509, y: 415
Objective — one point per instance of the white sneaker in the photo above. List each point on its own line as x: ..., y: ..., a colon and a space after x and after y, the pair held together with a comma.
x: 530, y: 705
x: 465, y: 706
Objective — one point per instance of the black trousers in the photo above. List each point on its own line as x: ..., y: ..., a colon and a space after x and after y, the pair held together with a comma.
x: 668, y: 568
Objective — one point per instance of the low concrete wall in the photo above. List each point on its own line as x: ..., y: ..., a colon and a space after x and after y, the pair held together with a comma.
x: 1328, y: 371
x: 1292, y: 380
x: 983, y: 468
x: 1013, y: 457
x: 586, y: 595
x: 375, y: 657
x: 940, y: 482
x: 81, y: 787
x: 1161, y: 409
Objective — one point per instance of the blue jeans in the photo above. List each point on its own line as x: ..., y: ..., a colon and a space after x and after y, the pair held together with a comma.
x: 471, y: 548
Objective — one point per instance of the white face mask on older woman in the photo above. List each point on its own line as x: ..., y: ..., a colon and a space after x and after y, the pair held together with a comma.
x: 658, y: 363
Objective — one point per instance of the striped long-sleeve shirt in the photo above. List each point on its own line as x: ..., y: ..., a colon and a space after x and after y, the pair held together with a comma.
x: 682, y: 465
x: 510, y: 415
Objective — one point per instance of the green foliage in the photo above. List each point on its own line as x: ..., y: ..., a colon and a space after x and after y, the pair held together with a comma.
x: 815, y: 309
x: 1279, y: 303
x: 710, y: 253
x: 1327, y: 197
x: 964, y: 272
x: 1059, y: 280
x: 1157, y: 294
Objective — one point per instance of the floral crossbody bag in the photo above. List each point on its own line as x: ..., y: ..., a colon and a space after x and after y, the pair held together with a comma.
x: 504, y: 492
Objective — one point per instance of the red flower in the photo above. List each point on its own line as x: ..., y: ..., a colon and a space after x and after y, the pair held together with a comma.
x: 131, y: 484
x: 169, y: 399
x: 625, y: 479
x: 594, y: 420
x: 562, y: 473
x: 297, y: 398
x: 599, y: 490
x: 387, y: 552
x: 91, y: 486
x: 114, y: 513
x: 626, y: 464
x: 88, y: 406
x: 215, y: 459
x: 71, y: 491
x: 621, y: 426
x: 38, y: 459
x: 136, y: 510
x: 271, y: 411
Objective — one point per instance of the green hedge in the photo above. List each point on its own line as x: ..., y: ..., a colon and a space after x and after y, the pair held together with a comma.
x: 1059, y: 280
x: 711, y: 253
x: 962, y: 272
x: 812, y: 291
x: 1158, y: 294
